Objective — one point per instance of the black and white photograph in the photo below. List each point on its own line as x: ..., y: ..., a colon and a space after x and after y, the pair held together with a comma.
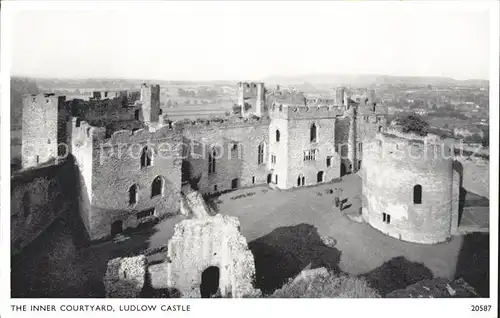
x: 249, y: 149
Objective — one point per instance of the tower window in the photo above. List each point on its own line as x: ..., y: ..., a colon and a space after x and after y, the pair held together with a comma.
x: 417, y: 194
x: 157, y: 187
x: 328, y: 161
x: 312, y: 133
x: 277, y: 135
x: 133, y: 194
x: 260, y: 157
x: 146, y: 157
x: 386, y: 218
x: 273, y: 159
x: 310, y: 155
x: 211, y: 162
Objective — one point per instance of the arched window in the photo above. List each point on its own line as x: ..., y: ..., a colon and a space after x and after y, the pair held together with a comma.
x: 300, y: 180
x: 277, y: 135
x: 313, y: 133
x: 260, y: 158
x: 26, y: 204
x: 133, y: 194
x: 157, y: 187
x: 146, y: 157
x: 211, y: 161
x: 320, y: 176
x: 417, y: 194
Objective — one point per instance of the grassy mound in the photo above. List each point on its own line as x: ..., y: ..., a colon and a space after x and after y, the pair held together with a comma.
x: 320, y: 283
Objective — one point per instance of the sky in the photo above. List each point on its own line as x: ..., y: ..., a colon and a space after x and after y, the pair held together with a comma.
x: 251, y: 40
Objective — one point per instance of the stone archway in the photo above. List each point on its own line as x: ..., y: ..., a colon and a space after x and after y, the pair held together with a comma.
x: 319, y: 177
x: 209, y: 282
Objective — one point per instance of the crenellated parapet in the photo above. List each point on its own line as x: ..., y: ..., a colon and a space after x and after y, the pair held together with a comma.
x: 428, y: 153
x: 286, y: 111
x: 84, y: 132
x: 233, y: 122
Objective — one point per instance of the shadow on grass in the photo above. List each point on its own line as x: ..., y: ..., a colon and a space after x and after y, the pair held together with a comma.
x: 286, y: 251
x: 397, y: 273
x: 148, y: 291
x: 473, y: 263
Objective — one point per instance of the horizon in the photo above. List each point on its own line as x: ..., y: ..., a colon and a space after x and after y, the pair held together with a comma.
x: 221, y: 41
x: 292, y: 76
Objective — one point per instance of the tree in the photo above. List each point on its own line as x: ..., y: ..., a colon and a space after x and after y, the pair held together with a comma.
x: 414, y: 124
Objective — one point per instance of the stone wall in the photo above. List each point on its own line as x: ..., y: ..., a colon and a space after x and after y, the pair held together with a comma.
x: 125, y: 277
x: 38, y: 197
x: 298, y: 141
x: 476, y: 177
x: 236, y: 155
x: 198, y: 244
x: 42, y: 116
x: 116, y: 167
x: 389, y: 176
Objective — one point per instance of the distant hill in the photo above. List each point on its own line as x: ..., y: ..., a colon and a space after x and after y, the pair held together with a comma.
x: 369, y: 79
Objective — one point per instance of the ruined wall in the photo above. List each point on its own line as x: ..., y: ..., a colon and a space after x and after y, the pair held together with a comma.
x: 252, y: 94
x: 116, y: 166
x: 82, y: 149
x: 42, y: 117
x: 213, y: 241
x: 236, y: 145
x: 391, y: 168
x: 38, y: 197
x: 476, y: 177
x: 150, y: 99
x: 125, y: 277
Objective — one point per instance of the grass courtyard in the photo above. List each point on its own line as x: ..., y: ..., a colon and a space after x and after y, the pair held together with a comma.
x: 283, y: 229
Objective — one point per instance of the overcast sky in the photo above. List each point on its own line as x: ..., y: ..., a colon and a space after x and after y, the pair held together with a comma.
x: 252, y: 40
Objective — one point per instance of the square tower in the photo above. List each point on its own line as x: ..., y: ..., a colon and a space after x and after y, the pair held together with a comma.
x: 150, y: 99
x: 43, y: 128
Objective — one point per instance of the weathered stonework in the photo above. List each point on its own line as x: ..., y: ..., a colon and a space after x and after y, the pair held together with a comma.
x: 38, y: 197
x: 200, y: 243
x: 125, y: 277
x: 394, y: 165
x: 43, y: 120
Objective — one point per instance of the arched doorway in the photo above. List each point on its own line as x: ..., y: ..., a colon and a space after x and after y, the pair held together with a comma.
x: 343, y: 169
x: 269, y: 178
x: 116, y: 228
x: 234, y: 184
x: 320, y: 177
x: 209, y: 282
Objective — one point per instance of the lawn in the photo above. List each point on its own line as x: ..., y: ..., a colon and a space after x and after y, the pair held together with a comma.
x: 283, y: 229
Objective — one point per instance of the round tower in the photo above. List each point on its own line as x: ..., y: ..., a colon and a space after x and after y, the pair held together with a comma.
x: 409, y: 188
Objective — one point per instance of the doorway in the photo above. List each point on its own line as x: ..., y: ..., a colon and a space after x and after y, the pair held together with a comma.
x: 320, y: 177
x: 343, y: 169
x: 234, y: 183
x: 269, y: 178
x: 209, y: 282
x: 116, y: 228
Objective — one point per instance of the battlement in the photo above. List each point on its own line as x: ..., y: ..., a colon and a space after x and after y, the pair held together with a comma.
x: 233, y: 122
x: 251, y: 89
x: 44, y: 98
x: 287, y: 111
